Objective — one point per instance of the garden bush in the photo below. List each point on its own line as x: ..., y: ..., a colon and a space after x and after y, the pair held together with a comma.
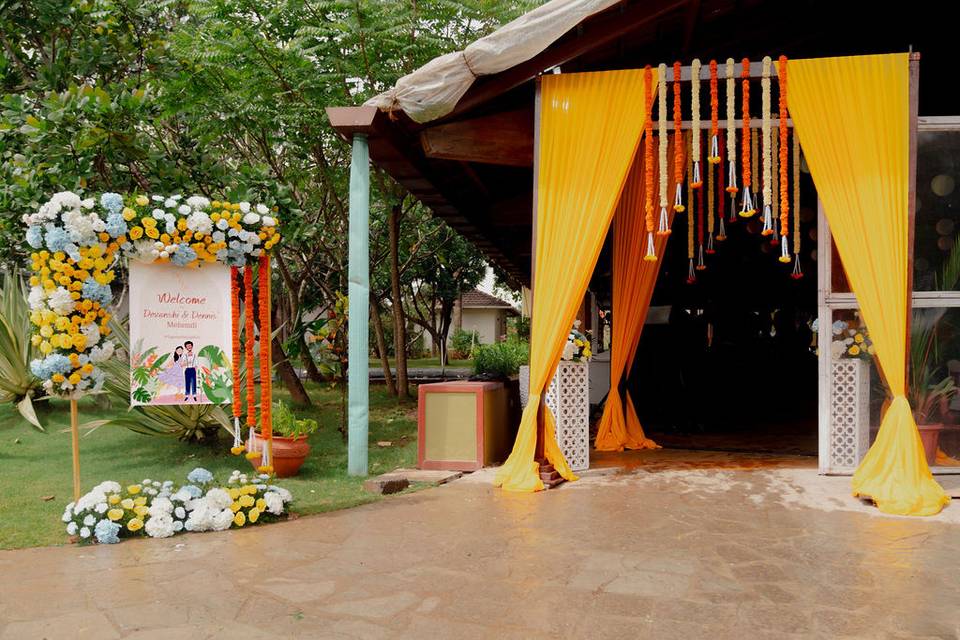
x: 501, y: 359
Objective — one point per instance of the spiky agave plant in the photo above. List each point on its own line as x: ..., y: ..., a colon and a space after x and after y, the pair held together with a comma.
x: 193, y: 422
x: 17, y: 384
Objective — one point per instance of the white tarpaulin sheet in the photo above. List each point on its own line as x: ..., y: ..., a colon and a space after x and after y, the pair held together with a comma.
x: 433, y: 90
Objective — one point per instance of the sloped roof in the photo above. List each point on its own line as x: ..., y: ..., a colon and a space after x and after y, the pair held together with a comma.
x: 477, y: 299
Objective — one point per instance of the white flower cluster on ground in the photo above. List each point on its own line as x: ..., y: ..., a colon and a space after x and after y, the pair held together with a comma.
x: 109, y: 511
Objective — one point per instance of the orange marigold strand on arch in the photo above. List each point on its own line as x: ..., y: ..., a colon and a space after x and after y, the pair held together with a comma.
x: 266, y: 427
x: 784, y: 150
x: 678, y: 170
x: 747, y: 176
x: 714, y: 154
x: 249, y: 308
x: 648, y: 162
x: 235, y: 339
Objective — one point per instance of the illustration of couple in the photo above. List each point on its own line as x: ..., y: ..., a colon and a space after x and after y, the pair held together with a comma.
x: 182, y: 372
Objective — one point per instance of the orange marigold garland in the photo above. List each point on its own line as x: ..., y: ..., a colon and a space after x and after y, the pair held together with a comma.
x: 731, y: 137
x: 648, y: 162
x: 663, y: 228
x: 696, y: 177
x: 747, y: 209
x: 714, y: 157
x: 721, y: 200
x: 248, y: 312
x: 237, y: 448
x: 797, y: 270
x: 711, y: 169
x: 266, y: 426
x: 775, y: 189
x: 677, y: 140
x: 784, y: 186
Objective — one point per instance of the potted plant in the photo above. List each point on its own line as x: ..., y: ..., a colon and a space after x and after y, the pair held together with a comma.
x: 290, y: 446
x: 931, y: 386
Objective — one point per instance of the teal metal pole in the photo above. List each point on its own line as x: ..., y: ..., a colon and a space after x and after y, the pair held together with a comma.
x: 358, y: 386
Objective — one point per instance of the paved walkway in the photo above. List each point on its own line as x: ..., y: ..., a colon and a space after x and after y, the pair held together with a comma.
x: 714, y: 547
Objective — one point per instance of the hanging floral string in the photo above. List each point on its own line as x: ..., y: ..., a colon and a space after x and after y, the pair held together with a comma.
x: 714, y: 157
x: 731, y: 137
x: 691, y: 219
x: 249, y: 309
x: 775, y: 190
x: 784, y: 185
x: 677, y: 140
x: 663, y: 228
x: 696, y: 177
x: 747, y: 209
x: 237, y: 405
x: 266, y: 425
x: 701, y: 212
x: 755, y: 163
x: 711, y: 169
x: 721, y: 200
x: 797, y: 269
x: 648, y: 163
x: 765, y: 124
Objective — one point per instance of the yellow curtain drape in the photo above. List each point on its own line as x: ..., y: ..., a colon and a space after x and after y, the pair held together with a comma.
x: 852, y: 117
x: 633, y: 282
x: 590, y: 127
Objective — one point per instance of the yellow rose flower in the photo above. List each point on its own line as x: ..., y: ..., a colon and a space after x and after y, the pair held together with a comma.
x: 140, y: 501
x: 246, y: 501
x: 57, y: 377
x: 239, y: 519
x: 115, y: 514
x: 114, y: 499
x: 136, y: 233
x: 133, y: 489
x: 74, y: 378
x: 142, y: 201
x: 129, y: 214
x: 854, y: 350
x: 253, y: 515
x: 234, y: 493
x: 858, y: 338
x: 152, y: 233
x: 235, y: 507
x: 135, y: 524
x: 261, y: 504
x: 127, y: 503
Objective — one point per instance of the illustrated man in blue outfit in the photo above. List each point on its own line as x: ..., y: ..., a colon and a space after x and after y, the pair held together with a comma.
x: 189, y: 371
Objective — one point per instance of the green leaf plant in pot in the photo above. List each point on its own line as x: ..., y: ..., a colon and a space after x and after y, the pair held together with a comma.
x: 290, y: 446
x: 931, y: 385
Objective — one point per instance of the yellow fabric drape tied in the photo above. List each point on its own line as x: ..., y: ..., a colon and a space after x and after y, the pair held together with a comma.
x: 633, y: 283
x: 590, y: 127
x: 852, y: 117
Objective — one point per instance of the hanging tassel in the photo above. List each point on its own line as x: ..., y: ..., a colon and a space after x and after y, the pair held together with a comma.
x: 691, y: 274
x: 651, y: 250
x: 797, y: 270
x: 237, y: 447
x: 714, y: 150
x: 767, y: 221
x: 784, y: 250
x: 710, y: 249
x: 252, y: 453
x: 732, y: 178
x: 748, y: 209
x: 775, y: 238
x: 733, y: 208
x: 721, y: 232
x: 678, y: 199
x: 697, y: 180
x: 701, y: 265
x: 663, y: 228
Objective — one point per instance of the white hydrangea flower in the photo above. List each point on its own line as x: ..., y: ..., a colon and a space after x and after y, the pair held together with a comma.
x: 184, y: 209
x: 61, y: 302
x: 157, y: 198
x: 108, y: 486
x: 269, y: 221
x: 101, y: 508
x: 222, y: 520
x: 274, y: 502
x: 85, y: 532
x: 262, y: 209
x: 198, y: 202
x: 90, y: 520
x: 102, y: 353
x: 72, y: 528
x: 251, y: 218
x: 159, y: 526
x: 244, y: 207
x: 92, y: 331
x: 199, y: 222
x: 219, y: 498
x: 37, y: 298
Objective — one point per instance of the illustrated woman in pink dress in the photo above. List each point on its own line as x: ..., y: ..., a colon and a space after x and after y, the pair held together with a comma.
x: 173, y: 374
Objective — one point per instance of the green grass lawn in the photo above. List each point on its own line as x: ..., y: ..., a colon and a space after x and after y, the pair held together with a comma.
x: 425, y: 363
x: 35, y: 465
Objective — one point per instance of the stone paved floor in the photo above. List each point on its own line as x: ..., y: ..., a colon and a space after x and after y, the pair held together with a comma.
x: 717, y: 547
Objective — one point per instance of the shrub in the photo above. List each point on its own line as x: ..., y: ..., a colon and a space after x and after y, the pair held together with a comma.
x: 462, y: 343
x: 502, y: 359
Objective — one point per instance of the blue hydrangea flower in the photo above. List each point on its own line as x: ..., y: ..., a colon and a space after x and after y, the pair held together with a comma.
x: 106, y: 532
x: 116, y: 225
x: 192, y: 490
x: 93, y: 290
x: 57, y: 238
x: 53, y: 363
x: 200, y: 476
x: 112, y: 202
x: 72, y: 250
x: 184, y: 255
x: 35, y: 236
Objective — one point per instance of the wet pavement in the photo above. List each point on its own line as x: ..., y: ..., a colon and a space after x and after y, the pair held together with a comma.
x: 667, y: 546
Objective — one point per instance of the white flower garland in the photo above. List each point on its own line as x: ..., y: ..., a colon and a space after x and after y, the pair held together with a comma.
x: 766, y: 152
x: 697, y: 179
x: 663, y: 228
x: 731, y: 128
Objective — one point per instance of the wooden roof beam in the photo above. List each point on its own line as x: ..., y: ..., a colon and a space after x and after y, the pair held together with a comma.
x: 501, y: 138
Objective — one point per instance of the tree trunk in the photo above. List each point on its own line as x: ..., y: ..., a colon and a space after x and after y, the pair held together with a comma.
x: 399, y: 321
x: 313, y: 373
x: 382, y: 346
x: 446, y: 319
x: 287, y: 374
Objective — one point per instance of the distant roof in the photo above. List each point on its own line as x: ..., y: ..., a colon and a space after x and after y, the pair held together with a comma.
x: 477, y: 299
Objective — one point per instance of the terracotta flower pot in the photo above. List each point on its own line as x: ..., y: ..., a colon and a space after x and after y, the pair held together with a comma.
x: 930, y: 436
x: 289, y: 454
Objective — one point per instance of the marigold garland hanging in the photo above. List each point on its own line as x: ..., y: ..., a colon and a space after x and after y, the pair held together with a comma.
x: 691, y: 216
x: 663, y: 228
x: 721, y: 190
x: 237, y: 405
x: 747, y: 209
x: 677, y: 140
x: 714, y: 157
x: 266, y: 425
x: 797, y: 269
x: 648, y: 164
x: 701, y: 265
x: 784, y: 186
x: 775, y: 190
x: 767, y: 160
x: 711, y: 168
x: 731, y: 133
x: 249, y: 311
x: 696, y: 179
x: 755, y: 163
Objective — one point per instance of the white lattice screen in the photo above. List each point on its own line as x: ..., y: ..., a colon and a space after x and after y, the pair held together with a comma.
x: 849, y: 413
x: 568, y: 397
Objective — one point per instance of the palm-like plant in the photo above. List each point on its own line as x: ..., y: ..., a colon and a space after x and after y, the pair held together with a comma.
x: 194, y: 422
x: 17, y: 384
